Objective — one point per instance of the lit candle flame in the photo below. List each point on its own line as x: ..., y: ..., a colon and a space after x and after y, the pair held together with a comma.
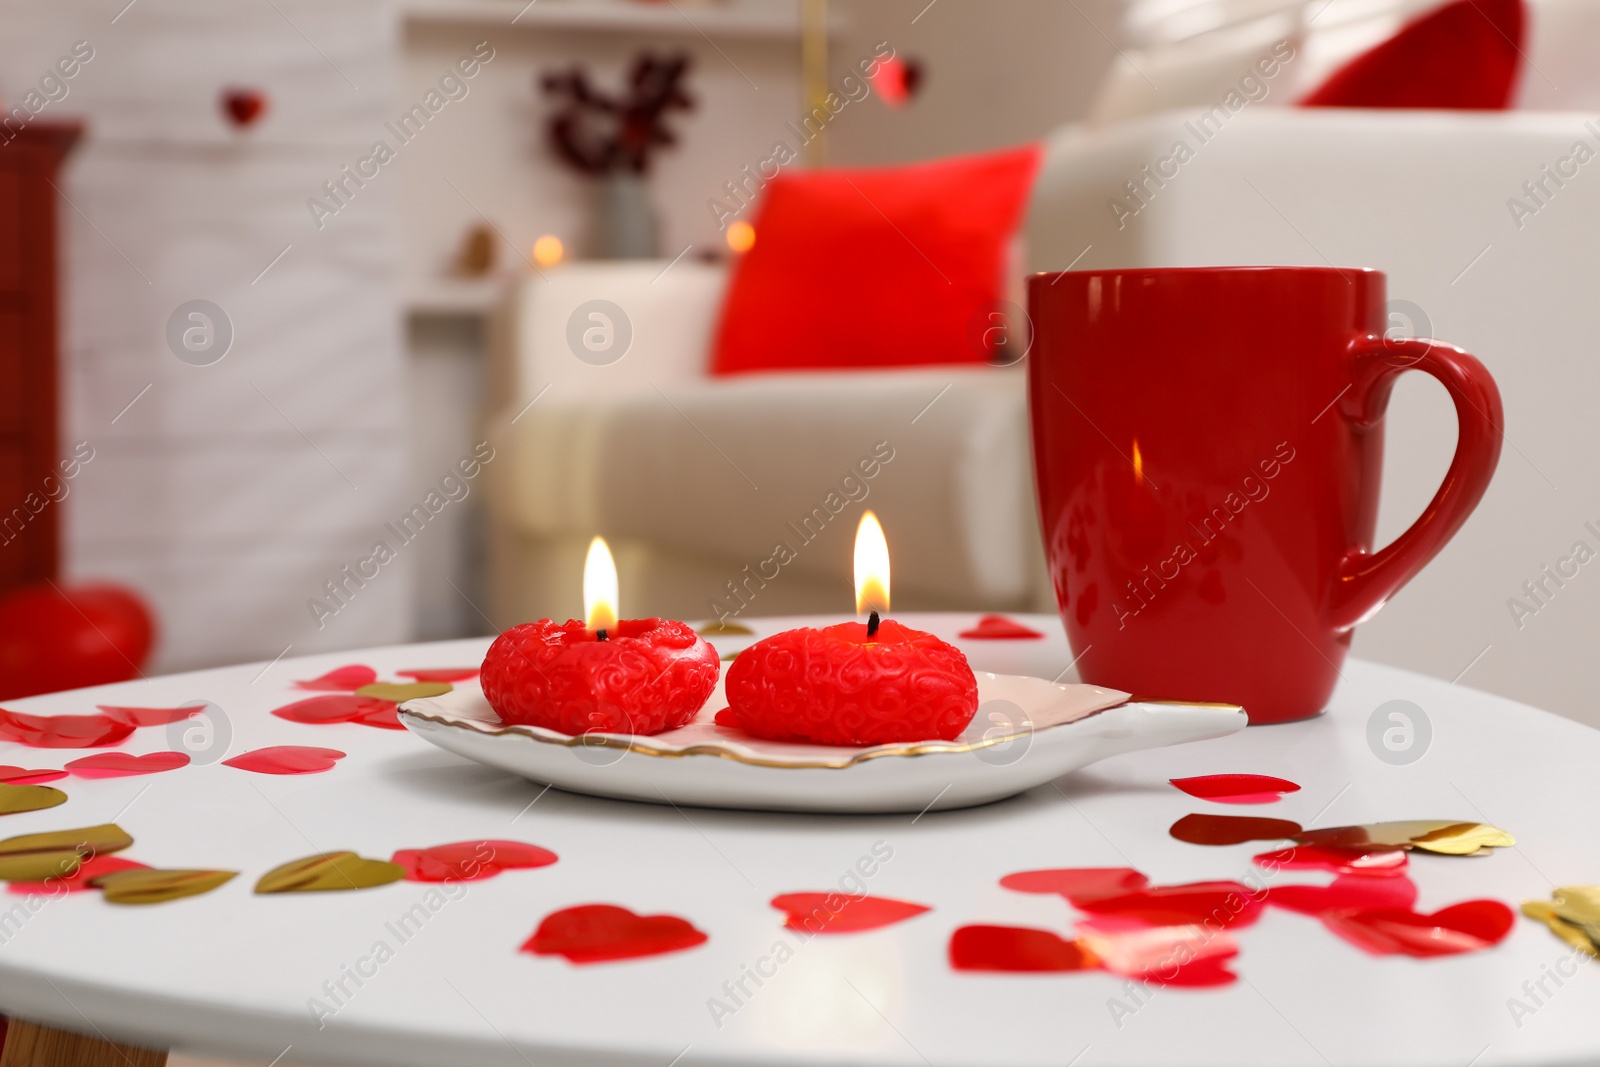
x: 1138, y: 464
x: 600, y: 587
x: 872, y: 567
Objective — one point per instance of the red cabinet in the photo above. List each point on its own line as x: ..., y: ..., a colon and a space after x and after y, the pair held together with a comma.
x: 29, y: 448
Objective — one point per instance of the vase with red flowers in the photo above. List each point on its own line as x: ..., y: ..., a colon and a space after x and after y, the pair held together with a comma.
x: 613, y: 137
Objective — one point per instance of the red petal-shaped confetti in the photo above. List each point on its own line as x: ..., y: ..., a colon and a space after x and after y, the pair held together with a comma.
x: 1346, y: 893
x: 78, y: 880
x: 440, y: 674
x: 999, y: 628
x: 118, y: 764
x: 1465, y: 927
x: 1078, y: 883
x: 137, y: 717
x: 62, y: 731
x: 24, y: 776
x: 592, y: 933
x: 467, y: 861
x: 1168, y: 955
x: 319, y: 711
x: 1236, y: 788
x: 1016, y: 949
x: 350, y: 677
x: 1231, y: 829
x: 1386, y: 862
x: 840, y: 913
x: 1219, y: 904
x: 286, y: 759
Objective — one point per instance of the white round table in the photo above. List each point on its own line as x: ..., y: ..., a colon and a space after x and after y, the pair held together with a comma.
x: 236, y: 974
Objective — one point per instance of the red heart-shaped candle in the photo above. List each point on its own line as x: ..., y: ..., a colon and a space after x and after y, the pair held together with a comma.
x: 644, y: 676
x: 593, y: 933
x: 843, y: 685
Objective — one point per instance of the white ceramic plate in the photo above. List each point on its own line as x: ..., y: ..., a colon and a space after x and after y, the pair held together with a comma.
x: 1027, y: 732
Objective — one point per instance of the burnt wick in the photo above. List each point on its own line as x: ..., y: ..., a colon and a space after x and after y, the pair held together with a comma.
x: 872, y: 624
x: 601, y: 635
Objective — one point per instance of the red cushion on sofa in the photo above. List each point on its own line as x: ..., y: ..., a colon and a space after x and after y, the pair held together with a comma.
x: 882, y: 267
x: 1466, y: 54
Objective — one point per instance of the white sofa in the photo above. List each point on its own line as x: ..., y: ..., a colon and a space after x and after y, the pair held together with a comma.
x: 632, y: 450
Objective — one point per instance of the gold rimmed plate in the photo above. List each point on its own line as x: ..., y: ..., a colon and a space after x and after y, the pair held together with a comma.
x: 1027, y: 731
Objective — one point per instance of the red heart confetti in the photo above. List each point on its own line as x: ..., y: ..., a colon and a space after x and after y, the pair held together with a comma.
x: 1078, y: 883
x: 1346, y: 893
x: 1466, y: 927
x: 1189, y: 954
x: 999, y: 628
x: 1236, y: 788
x: 1362, y: 861
x: 840, y: 913
x: 594, y: 933
x: 440, y: 674
x: 118, y: 764
x: 286, y: 759
x: 23, y: 776
x: 320, y: 711
x: 468, y: 861
x: 62, y: 731
x: 1217, y: 904
x: 350, y: 677
x: 385, y: 718
x: 138, y: 717
x: 1231, y: 829
x: 1016, y: 949
x: 78, y: 881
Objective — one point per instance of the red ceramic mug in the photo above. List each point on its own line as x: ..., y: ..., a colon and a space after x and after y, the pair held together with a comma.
x: 1207, y: 444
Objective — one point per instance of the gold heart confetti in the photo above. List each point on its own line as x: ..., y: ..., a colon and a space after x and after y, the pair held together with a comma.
x: 724, y: 629
x: 1572, y: 933
x: 402, y: 691
x: 155, y: 886
x: 19, y: 798
x: 329, y: 871
x: 1440, y: 836
x: 36, y: 857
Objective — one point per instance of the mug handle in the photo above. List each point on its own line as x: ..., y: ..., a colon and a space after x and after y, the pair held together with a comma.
x: 1363, y: 580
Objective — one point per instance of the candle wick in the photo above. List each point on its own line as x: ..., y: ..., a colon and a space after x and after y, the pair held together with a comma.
x: 601, y: 635
x: 872, y: 624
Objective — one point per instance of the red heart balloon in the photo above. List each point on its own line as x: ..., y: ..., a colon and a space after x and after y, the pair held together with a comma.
x: 1236, y: 788
x: 118, y: 764
x: 243, y: 106
x: 141, y: 717
x: 286, y: 759
x: 1016, y: 948
x: 999, y: 628
x: 54, y: 638
x: 467, y: 861
x: 23, y: 776
x: 593, y: 933
x: 62, y: 731
x: 840, y: 913
x: 1465, y: 927
x: 1078, y: 883
x: 347, y: 678
x: 318, y: 711
x: 440, y: 674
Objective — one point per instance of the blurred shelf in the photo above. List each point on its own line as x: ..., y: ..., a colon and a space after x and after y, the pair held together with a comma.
x: 456, y: 296
x: 733, y: 19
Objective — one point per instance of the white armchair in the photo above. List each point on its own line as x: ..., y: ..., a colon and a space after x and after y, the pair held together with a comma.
x: 729, y: 496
